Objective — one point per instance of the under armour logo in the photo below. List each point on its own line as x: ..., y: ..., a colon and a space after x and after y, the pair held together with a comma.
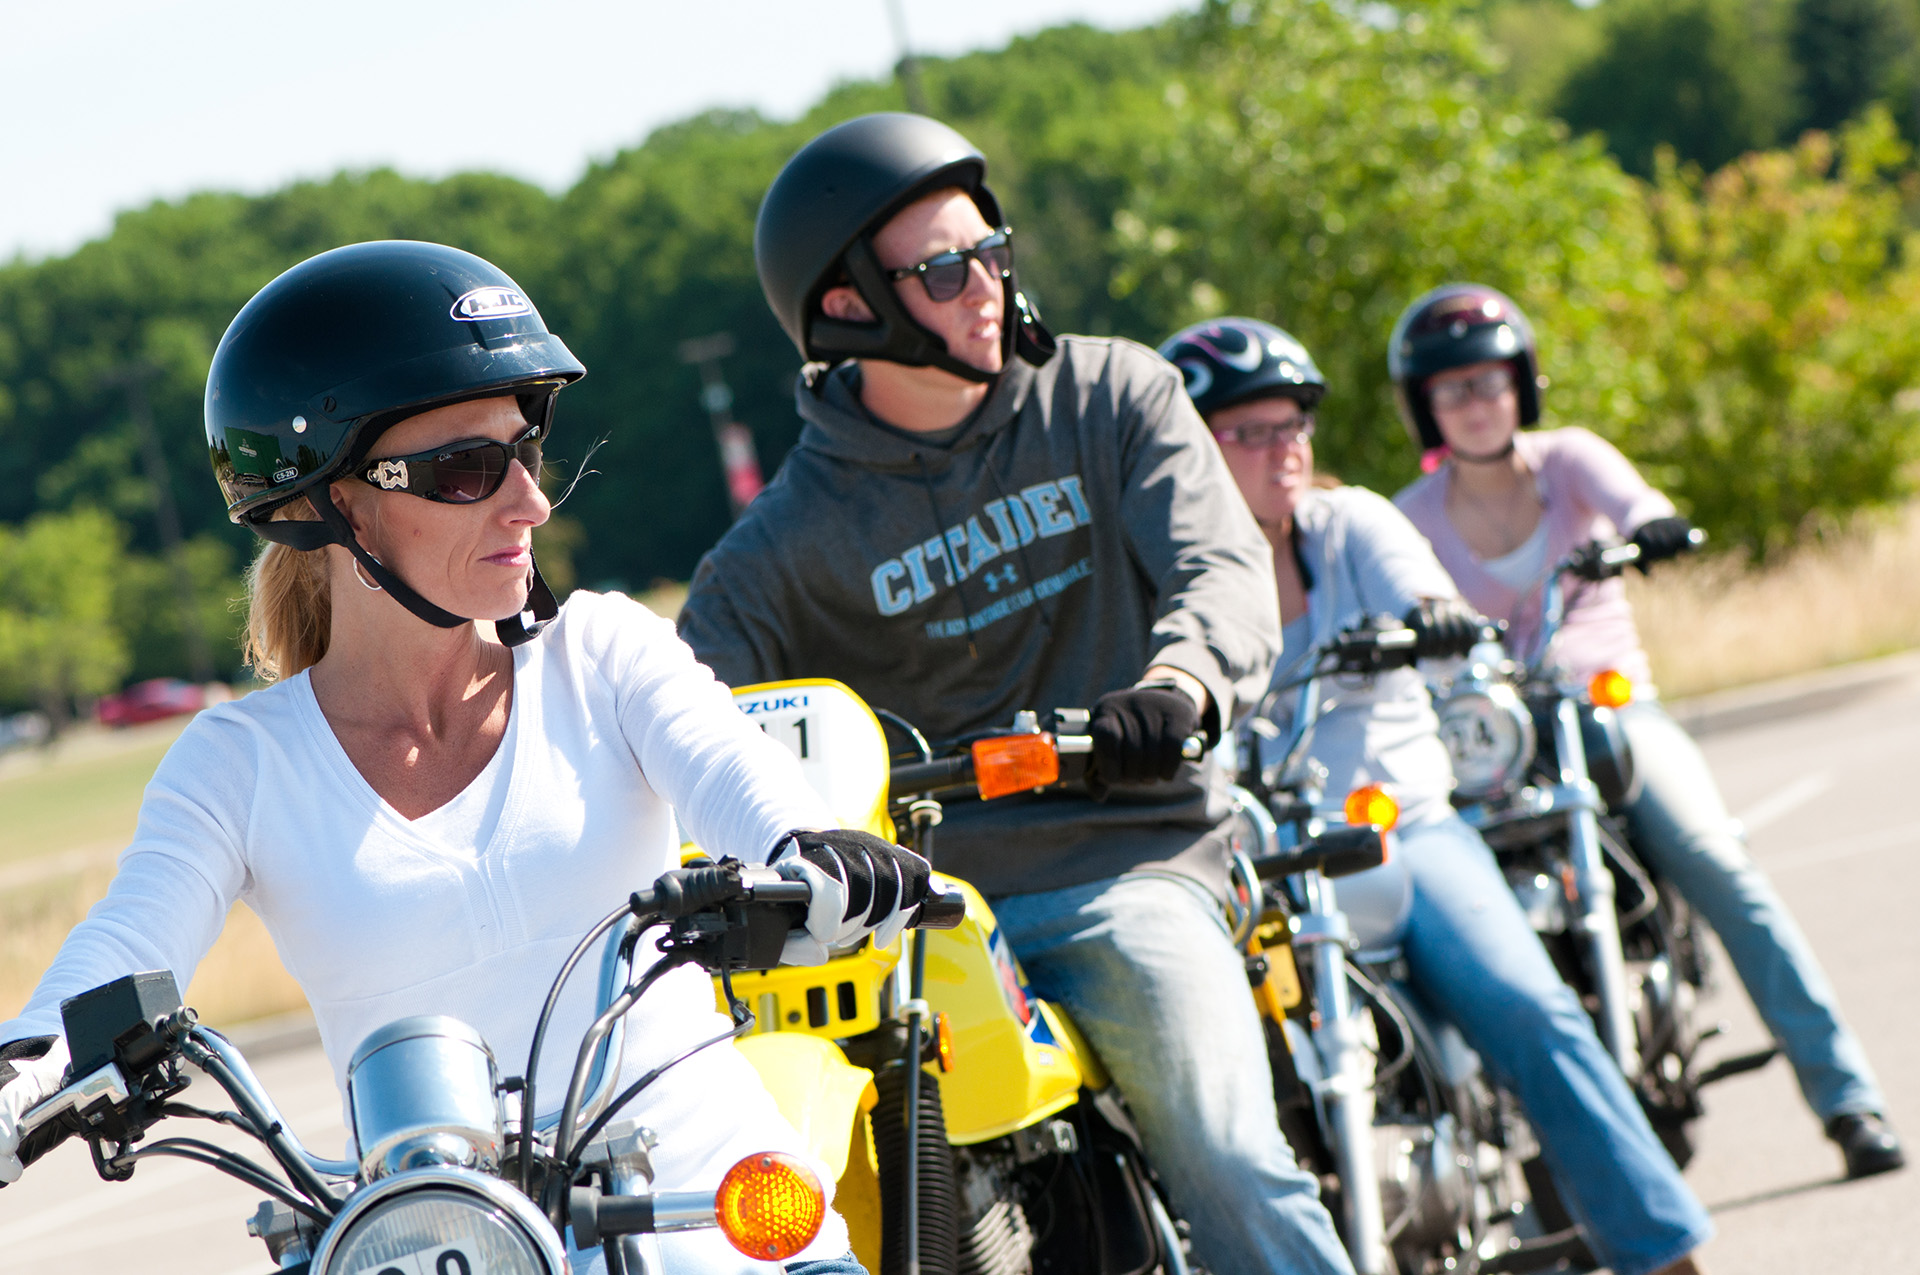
x: 389, y: 474
x: 1003, y: 578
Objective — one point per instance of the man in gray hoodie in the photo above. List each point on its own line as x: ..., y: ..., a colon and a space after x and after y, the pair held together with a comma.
x: 979, y: 520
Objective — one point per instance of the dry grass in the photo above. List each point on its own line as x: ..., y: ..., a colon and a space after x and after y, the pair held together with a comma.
x: 63, y: 818
x: 1713, y: 622
x: 240, y: 979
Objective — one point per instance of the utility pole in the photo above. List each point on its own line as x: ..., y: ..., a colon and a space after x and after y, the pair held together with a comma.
x: 738, y: 459
x: 133, y: 378
x: 908, y: 67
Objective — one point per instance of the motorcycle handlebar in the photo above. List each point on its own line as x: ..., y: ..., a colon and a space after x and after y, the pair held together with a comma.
x: 1596, y: 561
x: 958, y: 769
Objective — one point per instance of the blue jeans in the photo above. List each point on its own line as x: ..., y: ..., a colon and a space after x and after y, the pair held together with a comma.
x: 1473, y: 957
x: 1681, y: 825
x: 1145, y: 965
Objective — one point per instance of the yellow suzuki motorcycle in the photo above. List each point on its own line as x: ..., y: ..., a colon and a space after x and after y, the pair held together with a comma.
x: 970, y: 1126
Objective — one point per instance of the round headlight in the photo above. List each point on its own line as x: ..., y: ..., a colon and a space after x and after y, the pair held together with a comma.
x: 1489, y: 735
x: 436, y: 1231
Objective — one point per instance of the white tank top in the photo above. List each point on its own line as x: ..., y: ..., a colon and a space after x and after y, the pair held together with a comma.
x: 1521, y: 569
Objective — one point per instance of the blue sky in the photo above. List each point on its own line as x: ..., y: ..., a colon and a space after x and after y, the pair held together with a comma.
x: 113, y: 103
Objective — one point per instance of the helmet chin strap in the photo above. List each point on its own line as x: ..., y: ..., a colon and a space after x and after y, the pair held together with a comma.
x: 513, y: 630
x: 896, y: 337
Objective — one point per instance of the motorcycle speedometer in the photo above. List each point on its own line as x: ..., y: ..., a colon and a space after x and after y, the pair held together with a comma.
x: 439, y: 1222
x: 1489, y: 735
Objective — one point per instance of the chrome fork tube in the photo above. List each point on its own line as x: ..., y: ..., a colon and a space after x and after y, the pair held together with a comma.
x: 1597, y: 919
x: 1348, y: 1093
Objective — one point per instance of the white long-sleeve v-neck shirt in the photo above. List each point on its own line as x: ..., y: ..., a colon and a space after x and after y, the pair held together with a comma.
x: 469, y: 910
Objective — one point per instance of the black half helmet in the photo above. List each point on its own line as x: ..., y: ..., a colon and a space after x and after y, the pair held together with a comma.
x: 1455, y: 325
x: 346, y: 344
x: 815, y: 231
x: 1234, y: 360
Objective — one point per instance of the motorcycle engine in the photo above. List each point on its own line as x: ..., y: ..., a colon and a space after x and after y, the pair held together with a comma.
x: 1427, y: 1179
x: 995, y: 1236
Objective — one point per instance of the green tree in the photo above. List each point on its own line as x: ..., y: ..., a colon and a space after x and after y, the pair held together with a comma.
x: 147, y: 613
x: 1709, y: 78
x: 1848, y: 53
x: 161, y: 289
x: 1792, y: 285
x: 57, y: 637
x: 1326, y: 172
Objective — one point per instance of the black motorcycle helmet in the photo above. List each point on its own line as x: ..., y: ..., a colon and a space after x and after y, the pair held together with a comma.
x: 1233, y: 360
x: 815, y: 231
x: 1452, y: 326
x: 345, y: 345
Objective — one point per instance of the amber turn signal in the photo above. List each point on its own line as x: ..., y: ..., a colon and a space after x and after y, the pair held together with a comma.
x: 770, y: 1206
x: 943, y: 1040
x: 1006, y: 764
x: 1372, y: 804
x: 1610, y: 688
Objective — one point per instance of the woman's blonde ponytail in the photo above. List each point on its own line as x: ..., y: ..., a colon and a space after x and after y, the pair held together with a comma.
x: 289, y: 608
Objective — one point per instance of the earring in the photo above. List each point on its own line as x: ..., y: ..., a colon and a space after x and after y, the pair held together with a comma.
x: 362, y: 577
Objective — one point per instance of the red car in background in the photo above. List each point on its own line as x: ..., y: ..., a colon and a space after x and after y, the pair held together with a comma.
x: 150, y: 701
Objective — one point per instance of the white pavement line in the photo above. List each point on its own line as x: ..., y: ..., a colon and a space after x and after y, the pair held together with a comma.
x: 1786, y: 800
x: 66, y: 863
x: 1846, y: 848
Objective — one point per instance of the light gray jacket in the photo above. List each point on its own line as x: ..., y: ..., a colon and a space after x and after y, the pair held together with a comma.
x: 1080, y: 528
x: 1364, y: 558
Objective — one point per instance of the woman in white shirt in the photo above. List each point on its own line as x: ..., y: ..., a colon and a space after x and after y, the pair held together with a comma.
x: 451, y: 778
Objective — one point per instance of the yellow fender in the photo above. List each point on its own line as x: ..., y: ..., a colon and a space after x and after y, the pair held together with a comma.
x: 819, y: 1092
x: 828, y: 1100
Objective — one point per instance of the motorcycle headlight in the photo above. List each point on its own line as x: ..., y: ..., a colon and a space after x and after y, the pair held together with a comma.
x: 1489, y: 735
x: 439, y: 1222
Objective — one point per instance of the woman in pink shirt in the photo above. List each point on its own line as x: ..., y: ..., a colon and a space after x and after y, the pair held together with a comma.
x: 1500, y: 507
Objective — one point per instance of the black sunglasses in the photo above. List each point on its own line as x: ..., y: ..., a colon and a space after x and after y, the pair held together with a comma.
x: 944, y: 276
x: 459, y: 473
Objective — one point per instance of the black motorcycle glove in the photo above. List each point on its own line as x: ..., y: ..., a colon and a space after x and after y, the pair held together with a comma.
x: 862, y: 884
x: 1444, y: 627
x: 1662, y: 538
x: 1138, y: 734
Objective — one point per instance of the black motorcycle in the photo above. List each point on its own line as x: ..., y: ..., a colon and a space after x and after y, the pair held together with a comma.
x: 1544, y: 772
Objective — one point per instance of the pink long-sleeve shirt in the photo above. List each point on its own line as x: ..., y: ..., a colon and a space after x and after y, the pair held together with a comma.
x: 1588, y: 489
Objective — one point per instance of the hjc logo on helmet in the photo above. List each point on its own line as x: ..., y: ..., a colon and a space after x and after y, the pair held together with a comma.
x: 491, y: 302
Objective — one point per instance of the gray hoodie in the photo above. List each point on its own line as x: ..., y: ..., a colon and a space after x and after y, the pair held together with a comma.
x: 1079, y: 528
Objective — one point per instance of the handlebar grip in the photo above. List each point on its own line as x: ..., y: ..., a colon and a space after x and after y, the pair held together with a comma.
x: 941, y: 910
x: 923, y: 776
x: 789, y: 892
x: 1337, y: 852
x: 42, y: 1138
